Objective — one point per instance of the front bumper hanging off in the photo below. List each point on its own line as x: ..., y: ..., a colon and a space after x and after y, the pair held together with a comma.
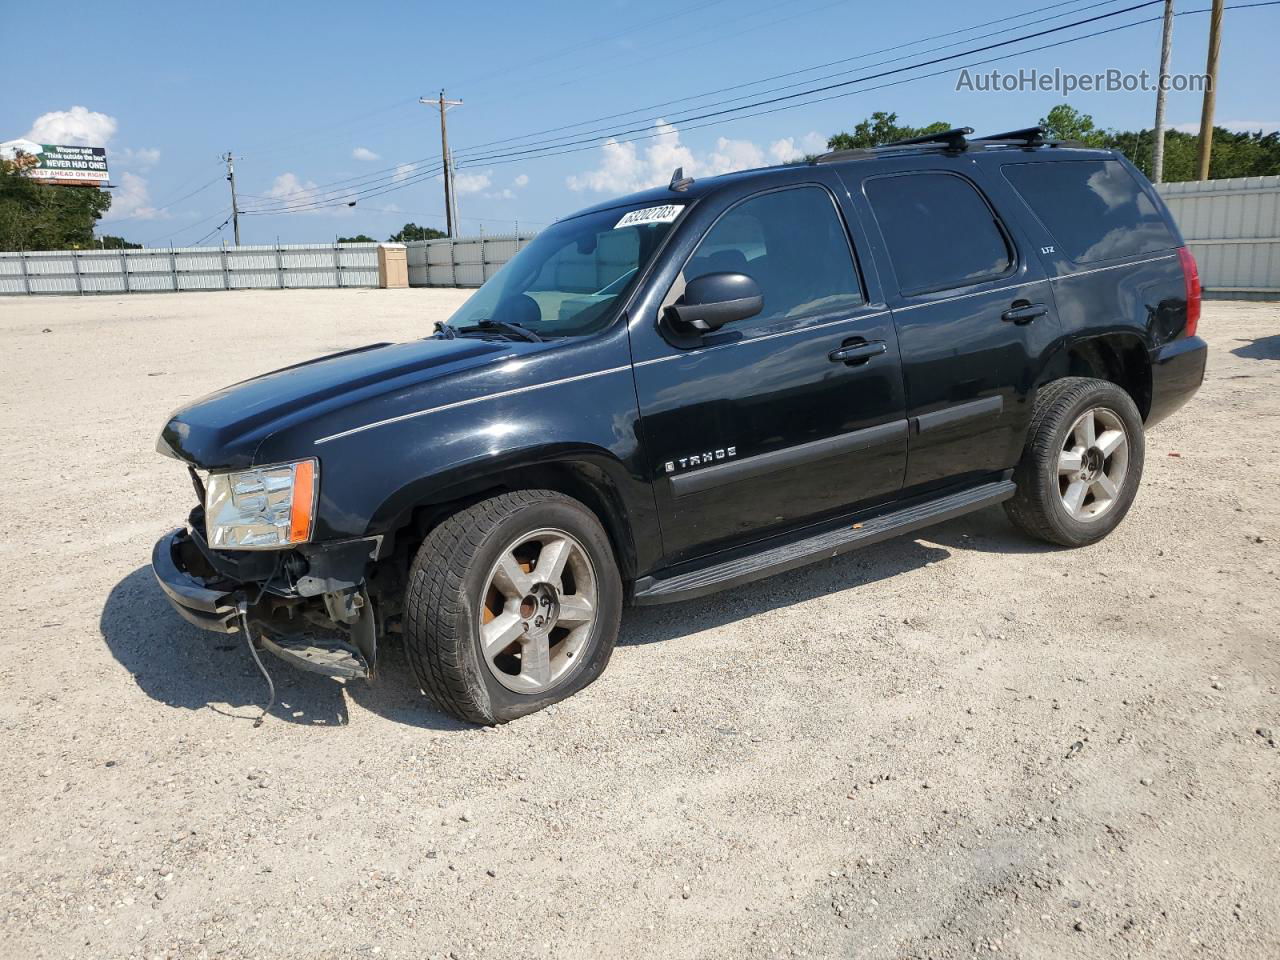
x: 320, y: 620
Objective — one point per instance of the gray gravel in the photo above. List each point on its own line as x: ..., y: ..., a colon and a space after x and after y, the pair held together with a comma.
x: 965, y: 742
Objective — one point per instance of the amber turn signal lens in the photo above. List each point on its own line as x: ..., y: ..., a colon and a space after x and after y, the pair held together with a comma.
x: 304, y: 498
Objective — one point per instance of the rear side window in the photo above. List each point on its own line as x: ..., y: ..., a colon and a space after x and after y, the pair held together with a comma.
x: 1094, y: 209
x: 939, y: 230
x: 792, y: 243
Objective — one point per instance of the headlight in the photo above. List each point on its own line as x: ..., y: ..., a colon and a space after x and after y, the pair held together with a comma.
x: 261, y: 509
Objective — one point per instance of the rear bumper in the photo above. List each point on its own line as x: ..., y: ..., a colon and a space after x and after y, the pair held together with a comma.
x: 1177, y: 370
x: 207, y: 606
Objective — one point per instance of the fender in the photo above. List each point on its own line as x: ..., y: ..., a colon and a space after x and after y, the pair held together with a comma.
x: 592, y: 474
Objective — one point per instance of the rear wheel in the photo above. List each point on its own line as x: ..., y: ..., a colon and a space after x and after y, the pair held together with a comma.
x: 1082, y: 464
x: 512, y: 604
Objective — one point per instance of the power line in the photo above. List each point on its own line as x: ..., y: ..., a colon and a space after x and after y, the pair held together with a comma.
x: 387, y: 174
x: 783, y: 76
x: 217, y: 229
x: 845, y: 83
x: 591, y: 142
x: 155, y: 210
x: 789, y: 101
x: 190, y: 226
x: 895, y: 83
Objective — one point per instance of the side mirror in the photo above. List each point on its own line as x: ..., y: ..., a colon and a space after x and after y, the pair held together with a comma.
x: 714, y: 299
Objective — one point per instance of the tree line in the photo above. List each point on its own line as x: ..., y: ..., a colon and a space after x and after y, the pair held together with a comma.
x: 1247, y: 154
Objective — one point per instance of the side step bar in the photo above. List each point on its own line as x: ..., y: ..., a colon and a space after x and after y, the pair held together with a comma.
x: 788, y: 556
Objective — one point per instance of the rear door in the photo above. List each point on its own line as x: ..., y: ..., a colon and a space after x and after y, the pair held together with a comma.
x: 974, y: 315
x: 766, y: 424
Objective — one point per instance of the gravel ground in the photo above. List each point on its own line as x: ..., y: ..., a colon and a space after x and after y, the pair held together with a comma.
x: 963, y: 742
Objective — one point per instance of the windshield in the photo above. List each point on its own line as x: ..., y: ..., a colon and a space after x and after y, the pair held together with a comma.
x: 568, y: 280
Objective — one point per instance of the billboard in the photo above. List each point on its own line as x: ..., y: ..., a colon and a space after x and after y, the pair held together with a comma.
x: 75, y: 166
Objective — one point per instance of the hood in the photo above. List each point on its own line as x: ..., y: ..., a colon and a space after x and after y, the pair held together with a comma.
x: 224, y: 428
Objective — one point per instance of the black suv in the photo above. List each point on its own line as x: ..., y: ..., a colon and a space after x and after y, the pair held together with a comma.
x: 688, y: 389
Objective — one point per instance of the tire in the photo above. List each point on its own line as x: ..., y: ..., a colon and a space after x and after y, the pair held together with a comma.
x: 1048, y: 504
x: 453, y: 603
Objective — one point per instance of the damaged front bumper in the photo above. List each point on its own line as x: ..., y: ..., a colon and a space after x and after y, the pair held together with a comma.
x: 309, y: 607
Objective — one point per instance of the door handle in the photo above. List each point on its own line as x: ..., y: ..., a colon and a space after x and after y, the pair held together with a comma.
x: 855, y: 353
x: 1023, y: 312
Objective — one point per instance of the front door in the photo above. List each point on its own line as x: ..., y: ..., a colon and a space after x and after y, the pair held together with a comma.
x: 788, y: 416
x: 975, y: 319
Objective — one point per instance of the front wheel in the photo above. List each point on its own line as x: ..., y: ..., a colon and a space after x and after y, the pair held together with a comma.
x: 513, y: 604
x: 1082, y: 463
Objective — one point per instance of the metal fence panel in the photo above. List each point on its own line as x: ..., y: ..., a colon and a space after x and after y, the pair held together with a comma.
x: 1233, y: 228
x: 190, y: 268
x: 462, y: 261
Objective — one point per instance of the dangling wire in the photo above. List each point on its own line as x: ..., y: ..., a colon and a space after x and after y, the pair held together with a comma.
x: 243, y: 608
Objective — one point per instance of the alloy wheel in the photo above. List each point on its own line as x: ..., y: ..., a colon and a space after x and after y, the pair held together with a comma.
x: 1092, y: 464
x: 539, y: 604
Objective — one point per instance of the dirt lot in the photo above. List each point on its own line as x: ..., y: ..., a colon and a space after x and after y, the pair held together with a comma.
x: 964, y: 742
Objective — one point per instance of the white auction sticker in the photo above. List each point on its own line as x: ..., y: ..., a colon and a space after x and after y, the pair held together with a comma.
x: 663, y: 214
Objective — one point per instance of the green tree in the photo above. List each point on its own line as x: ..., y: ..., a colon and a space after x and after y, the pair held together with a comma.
x: 36, y: 216
x: 881, y: 128
x: 1234, y: 154
x: 108, y: 242
x: 1065, y: 122
x: 358, y: 238
x: 411, y: 231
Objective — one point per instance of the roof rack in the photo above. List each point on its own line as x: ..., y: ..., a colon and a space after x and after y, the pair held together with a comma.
x: 950, y: 141
x: 953, y: 139
x: 1028, y: 136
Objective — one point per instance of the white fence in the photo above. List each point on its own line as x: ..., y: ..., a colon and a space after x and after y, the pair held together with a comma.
x: 1233, y: 228
x: 462, y: 262
x: 190, y: 268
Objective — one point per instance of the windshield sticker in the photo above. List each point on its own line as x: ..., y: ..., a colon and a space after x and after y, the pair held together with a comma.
x: 663, y: 214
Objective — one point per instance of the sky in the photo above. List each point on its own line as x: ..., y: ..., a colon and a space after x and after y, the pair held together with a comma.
x: 318, y: 101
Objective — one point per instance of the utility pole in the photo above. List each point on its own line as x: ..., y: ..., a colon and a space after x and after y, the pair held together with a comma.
x: 231, y: 178
x: 445, y: 157
x: 1211, y: 71
x: 1166, y: 48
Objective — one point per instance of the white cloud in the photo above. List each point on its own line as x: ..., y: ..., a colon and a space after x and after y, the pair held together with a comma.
x: 78, y: 126
x: 788, y: 149
x: 625, y: 168
x: 364, y: 153
x: 144, y: 158
x: 131, y: 200
x: 403, y: 171
x: 471, y: 182
x: 509, y: 193
x: 289, y: 189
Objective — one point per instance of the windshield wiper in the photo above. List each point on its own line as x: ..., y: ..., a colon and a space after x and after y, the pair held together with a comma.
x: 502, y: 326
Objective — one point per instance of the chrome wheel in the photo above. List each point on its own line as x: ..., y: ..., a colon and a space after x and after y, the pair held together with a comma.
x: 539, y: 604
x: 1093, y: 463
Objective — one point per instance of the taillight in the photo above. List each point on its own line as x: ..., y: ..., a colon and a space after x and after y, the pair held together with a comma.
x: 1191, y: 274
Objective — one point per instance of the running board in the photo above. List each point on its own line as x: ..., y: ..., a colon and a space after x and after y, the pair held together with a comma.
x: 788, y: 556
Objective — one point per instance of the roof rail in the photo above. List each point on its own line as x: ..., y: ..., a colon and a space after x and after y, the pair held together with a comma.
x: 953, y: 139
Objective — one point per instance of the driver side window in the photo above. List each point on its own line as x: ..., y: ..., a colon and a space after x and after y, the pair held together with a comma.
x: 793, y: 244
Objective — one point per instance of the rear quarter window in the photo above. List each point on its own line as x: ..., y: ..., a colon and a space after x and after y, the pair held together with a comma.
x: 939, y: 230
x: 1094, y: 209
